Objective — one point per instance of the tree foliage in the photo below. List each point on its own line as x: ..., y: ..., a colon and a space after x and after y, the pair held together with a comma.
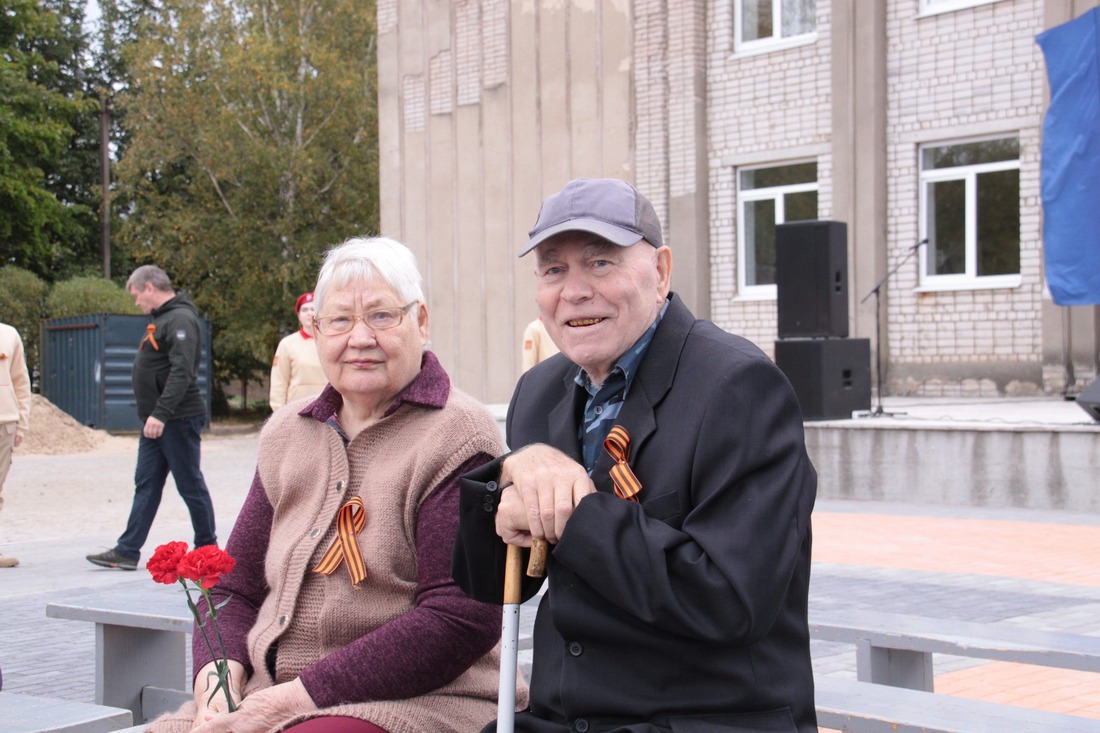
x: 88, y: 294
x: 45, y: 202
x: 252, y: 149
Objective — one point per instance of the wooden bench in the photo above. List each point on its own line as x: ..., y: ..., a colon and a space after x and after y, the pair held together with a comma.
x: 141, y: 648
x: 896, y: 649
x: 33, y: 714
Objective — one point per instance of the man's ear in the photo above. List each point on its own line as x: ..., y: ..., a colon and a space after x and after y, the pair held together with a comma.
x: 664, y: 271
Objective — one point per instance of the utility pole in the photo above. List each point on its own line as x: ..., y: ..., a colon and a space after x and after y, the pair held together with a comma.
x: 105, y: 182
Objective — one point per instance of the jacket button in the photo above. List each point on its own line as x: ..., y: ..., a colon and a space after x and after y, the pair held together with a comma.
x: 580, y: 725
x: 339, y: 485
x: 314, y: 532
x: 283, y: 620
x: 576, y: 649
x: 491, y: 486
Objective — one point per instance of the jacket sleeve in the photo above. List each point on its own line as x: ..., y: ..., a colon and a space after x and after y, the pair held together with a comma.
x: 181, y: 338
x: 280, y: 376
x: 21, y: 383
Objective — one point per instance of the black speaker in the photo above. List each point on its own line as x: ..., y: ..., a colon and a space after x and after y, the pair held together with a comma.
x: 831, y: 377
x: 811, y: 279
x: 1089, y: 399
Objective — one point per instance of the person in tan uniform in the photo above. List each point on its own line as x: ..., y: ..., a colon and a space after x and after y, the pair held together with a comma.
x: 537, y: 344
x: 296, y: 370
x: 15, y: 406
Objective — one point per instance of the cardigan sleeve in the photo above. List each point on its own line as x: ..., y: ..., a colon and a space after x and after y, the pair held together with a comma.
x: 245, y: 586
x: 427, y: 647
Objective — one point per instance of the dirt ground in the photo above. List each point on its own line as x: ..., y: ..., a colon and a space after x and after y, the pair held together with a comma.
x: 54, y: 432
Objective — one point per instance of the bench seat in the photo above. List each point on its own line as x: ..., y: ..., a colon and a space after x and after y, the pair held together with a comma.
x: 21, y: 713
x: 896, y: 649
x: 849, y: 705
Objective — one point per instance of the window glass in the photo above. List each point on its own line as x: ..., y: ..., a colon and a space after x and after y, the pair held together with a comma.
x: 947, y: 228
x: 760, y: 242
x: 998, y: 223
x: 756, y: 19
x: 989, y: 151
x: 782, y: 175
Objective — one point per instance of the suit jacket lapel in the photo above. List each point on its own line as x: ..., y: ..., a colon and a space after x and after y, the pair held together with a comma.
x: 563, y: 422
x: 651, y: 384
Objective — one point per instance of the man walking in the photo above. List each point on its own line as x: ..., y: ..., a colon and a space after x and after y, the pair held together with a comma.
x: 165, y: 380
x: 15, y: 406
x: 664, y: 460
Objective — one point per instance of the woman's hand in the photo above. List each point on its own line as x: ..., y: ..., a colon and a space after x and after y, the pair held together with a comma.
x: 262, y: 710
x: 205, y: 681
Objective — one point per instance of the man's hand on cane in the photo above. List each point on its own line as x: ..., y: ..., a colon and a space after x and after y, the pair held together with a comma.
x: 542, y: 488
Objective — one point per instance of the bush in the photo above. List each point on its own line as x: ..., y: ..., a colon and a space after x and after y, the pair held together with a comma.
x: 84, y: 295
x: 22, y: 299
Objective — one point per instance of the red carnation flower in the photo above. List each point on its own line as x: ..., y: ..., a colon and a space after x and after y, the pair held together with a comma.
x: 205, y: 565
x: 165, y: 562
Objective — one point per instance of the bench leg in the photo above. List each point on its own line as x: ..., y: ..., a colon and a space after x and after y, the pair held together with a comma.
x: 896, y: 667
x: 128, y: 659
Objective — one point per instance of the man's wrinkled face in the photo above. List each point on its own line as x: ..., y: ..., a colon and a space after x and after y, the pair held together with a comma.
x: 145, y: 298
x: 597, y: 298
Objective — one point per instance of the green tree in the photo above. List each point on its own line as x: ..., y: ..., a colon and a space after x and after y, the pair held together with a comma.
x: 88, y: 294
x: 43, y: 209
x: 22, y: 303
x: 253, y: 148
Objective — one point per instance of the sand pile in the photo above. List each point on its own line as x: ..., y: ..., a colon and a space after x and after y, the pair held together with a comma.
x: 53, y: 432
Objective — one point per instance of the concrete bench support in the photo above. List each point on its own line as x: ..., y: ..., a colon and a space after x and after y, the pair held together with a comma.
x: 897, y: 667
x: 32, y: 714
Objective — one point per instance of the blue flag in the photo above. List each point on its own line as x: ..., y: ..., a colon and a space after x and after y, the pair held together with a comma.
x: 1071, y: 160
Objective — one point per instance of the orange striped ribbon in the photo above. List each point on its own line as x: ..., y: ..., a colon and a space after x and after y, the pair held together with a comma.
x: 350, y: 522
x: 617, y: 444
x: 150, y: 329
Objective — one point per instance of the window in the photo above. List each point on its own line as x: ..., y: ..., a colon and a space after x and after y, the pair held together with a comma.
x: 970, y: 204
x: 769, y: 22
x: 769, y: 196
x: 935, y: 7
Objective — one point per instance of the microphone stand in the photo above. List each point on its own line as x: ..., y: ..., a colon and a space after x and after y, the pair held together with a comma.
x: 878, y: 411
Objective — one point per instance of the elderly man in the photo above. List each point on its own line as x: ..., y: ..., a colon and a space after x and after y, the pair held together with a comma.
x: 172, y: 408
x: 664, y: 460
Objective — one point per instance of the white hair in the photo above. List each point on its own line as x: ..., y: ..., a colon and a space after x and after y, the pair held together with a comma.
x: 370, y: 258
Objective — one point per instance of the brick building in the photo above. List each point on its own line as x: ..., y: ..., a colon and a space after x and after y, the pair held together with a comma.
x: 905, y: 119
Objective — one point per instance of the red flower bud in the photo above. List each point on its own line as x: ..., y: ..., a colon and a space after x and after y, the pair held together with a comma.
x: 165, y: 561
x: 205, y: 565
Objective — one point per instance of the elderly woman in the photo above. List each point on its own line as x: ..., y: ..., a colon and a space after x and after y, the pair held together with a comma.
x: 342, y: 615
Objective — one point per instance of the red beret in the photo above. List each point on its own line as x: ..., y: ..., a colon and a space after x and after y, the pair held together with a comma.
x: 302, y: 299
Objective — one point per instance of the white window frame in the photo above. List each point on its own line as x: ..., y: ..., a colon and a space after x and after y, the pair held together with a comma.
x: 767, y: 45
x: 968, y: 280
x: 777, y: 194
x: 938, y: 7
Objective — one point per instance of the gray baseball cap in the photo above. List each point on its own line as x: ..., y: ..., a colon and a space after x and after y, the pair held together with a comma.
x: 607, y: 207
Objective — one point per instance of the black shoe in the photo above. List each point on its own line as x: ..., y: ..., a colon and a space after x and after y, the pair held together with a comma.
x: 112, y: 559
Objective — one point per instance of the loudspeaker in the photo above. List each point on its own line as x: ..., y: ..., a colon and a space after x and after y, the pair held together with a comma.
x: 831, y: 377
x: 811, y: 279
x: 1089, y: 400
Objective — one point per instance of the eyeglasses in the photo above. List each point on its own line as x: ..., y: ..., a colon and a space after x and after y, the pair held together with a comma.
x: 382, y: 319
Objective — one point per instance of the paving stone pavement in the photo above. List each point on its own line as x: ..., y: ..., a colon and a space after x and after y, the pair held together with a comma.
x: 946, y: 562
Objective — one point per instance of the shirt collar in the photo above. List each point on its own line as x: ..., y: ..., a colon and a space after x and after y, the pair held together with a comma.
x: 429, y: 388
x: 627, y: 365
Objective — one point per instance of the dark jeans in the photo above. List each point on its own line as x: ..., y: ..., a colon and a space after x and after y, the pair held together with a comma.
x: 176, y: 450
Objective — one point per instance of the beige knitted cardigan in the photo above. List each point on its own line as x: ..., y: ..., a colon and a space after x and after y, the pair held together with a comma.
x: 392, y: 466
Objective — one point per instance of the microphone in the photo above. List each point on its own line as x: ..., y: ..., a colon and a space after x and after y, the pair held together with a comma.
x: 918, y: 244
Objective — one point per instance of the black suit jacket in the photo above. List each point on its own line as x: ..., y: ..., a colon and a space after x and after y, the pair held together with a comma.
x: 686, y: 611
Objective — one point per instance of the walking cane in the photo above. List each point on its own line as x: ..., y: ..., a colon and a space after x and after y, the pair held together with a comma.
x: 509, y: 637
